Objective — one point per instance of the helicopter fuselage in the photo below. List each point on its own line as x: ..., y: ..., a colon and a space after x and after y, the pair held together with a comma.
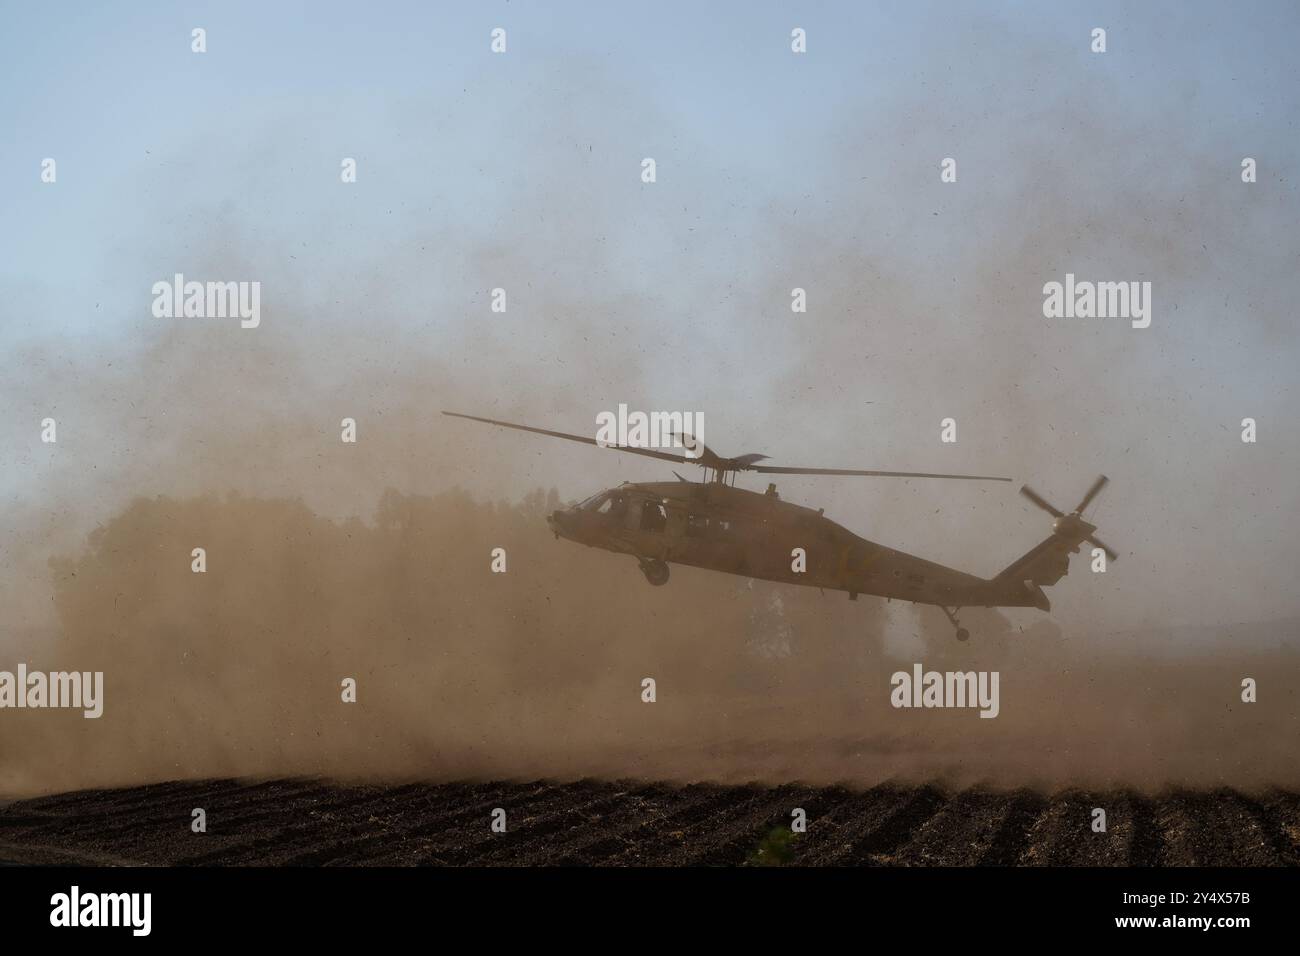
x: 717, y: 526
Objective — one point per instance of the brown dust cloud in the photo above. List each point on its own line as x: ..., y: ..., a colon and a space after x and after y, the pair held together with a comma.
x: 463, y: 673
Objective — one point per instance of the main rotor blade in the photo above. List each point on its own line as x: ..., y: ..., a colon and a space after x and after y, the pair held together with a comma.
x: 648, y: 453
x: 1097, y: 485
x: 1039, y: 500
x: 1111, y: 555
x: 777, y: 470
x: 705, y: 456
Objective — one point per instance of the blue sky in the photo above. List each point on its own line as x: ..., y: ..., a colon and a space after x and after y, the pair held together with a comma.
x: 775, y: 170
x: 113, y: 93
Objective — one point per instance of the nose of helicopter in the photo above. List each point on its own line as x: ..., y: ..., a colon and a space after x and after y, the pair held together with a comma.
x: 558, y: 521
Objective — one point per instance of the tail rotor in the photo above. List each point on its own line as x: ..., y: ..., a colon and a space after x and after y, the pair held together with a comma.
x: 1073, y: 525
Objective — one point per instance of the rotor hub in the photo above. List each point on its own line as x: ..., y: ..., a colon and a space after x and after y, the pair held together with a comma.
x: 1068, y: 525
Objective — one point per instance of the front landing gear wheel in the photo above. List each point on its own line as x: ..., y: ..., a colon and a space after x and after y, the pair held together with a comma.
x: 655, y: 571
x: 963, y: 634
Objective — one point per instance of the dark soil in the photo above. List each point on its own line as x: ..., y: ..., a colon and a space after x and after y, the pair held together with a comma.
x: 315, y: 823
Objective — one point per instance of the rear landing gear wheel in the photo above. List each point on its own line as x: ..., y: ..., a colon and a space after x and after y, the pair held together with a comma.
x: 962, y: 633
x: 655, y: 571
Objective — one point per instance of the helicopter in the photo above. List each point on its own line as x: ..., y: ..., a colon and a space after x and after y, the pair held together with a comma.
x: 712, y: 524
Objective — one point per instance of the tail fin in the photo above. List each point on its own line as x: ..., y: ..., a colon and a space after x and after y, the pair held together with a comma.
x: 1049, y: 560
x: 1042, y: 566
x: 1045, y: 564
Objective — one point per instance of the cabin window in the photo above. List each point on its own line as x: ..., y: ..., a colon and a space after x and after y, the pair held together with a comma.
x: 699, y: 526
x: 653, y: 517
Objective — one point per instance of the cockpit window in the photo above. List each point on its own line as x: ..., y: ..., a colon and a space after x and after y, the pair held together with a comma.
x: 610, y: 504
